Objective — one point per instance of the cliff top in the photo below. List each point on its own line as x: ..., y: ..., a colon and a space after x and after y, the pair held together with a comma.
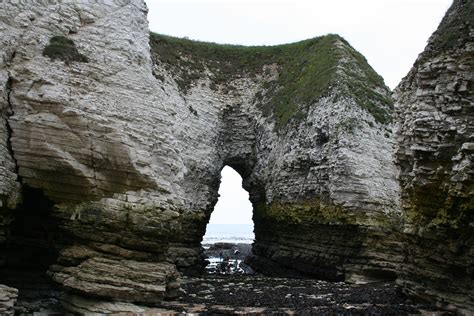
x: 307, y: 71
x: 453, y: 34
x: 455, y: 28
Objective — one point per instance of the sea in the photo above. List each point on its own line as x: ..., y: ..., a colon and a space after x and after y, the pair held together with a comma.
x: 232, y: 233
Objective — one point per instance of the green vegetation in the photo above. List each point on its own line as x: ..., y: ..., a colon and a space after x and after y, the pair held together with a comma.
x: 362, y: 82
x: 306, y: 71
x: 434, y: 207
x: 308, y: 211
x: 454, y: 31
x: 63, y: 48
x: 316, y: 211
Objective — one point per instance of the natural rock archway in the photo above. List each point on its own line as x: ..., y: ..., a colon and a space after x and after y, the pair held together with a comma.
x: 316, y: 163
x: 128, y: 142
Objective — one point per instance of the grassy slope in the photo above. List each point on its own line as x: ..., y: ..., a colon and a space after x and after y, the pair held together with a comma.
x: 307, y: 69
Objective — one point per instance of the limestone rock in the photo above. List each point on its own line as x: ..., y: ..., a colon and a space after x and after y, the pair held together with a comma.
x: 122, y: 280
x: 118, y: 144
x: 105, y: 176
x: 322, y: 160
x: 124, y: 147
x: 8, y: 297
x: 91, y: 306
x: 9, y: 186
x: 435, y: 131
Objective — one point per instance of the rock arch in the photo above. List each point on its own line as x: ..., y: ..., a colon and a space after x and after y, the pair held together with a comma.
x: 130, y: 152
x: 130, y: 144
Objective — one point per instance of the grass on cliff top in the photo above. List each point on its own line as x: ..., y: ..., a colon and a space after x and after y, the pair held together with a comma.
x: 306, y: 70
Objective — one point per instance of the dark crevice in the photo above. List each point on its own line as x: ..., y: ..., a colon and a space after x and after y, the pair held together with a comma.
x: 32, y: 247
x: 10, y: 113
x: 32, y: 244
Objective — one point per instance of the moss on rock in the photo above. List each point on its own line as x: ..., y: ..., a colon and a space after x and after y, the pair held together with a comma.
x: 317, y: 212
x: 63, y: 48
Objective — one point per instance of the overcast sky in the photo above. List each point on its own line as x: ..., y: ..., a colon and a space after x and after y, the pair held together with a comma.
x: 389, y: 33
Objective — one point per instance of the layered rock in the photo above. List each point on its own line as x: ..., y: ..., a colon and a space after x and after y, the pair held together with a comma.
x: 118, y: 138
x: 435, y: 154
x: 120, y: 153
x: 310, y: 156
x: 8, y: 298
x: 123, y: 280
x: 9, y: 186
x: 76, y: 76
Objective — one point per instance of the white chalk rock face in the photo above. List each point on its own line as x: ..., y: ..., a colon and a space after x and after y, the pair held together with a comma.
x: 123, y: 145
x: 82, y: 126
x: 90, y: 120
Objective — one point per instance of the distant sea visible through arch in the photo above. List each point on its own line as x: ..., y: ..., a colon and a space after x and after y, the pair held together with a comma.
x: 231, y: 233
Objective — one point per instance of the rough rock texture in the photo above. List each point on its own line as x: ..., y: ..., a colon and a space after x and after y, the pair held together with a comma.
x: 116, y: 139
x: 123, y: 280
x: 119, y: 150
x: 326, y: 168
x: 78, y: 143
x: 8, y: 298
x: 9, y: 187
x: 90, y: 306
x: 435, y: 153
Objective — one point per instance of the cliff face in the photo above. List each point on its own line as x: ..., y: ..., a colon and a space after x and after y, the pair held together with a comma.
x: 112, y: 142
x: 75, y: 78
x: 310, y: 156
x: 119, y: 151
x: 434, y: 111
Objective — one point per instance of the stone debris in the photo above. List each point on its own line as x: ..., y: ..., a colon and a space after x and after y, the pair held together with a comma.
x: 266, y: 295
x: 8, y: 297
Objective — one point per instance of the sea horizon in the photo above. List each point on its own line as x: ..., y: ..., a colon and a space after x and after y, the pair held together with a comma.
x: 232, y: 233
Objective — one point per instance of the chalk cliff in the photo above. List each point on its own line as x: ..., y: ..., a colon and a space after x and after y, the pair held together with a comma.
x: 112, y: 140
x: 90, y: 141
x: 307, y: 127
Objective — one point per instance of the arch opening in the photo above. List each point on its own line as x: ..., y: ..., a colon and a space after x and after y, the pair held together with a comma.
x: 230, y: 231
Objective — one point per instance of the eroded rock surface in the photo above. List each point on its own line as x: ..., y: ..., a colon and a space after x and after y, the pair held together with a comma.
x: 124, y: 280
x: 435, y: 152
x: 319, y: 164
x: 70, y: 132
x: 116, y: 137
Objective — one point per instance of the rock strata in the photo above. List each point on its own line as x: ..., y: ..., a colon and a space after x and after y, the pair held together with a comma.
x: 85, y: 180
x: 8, y: 297
x: 319, y: 161
x: 112, y: 140
x: 435, y: 154
x: 124, y: 280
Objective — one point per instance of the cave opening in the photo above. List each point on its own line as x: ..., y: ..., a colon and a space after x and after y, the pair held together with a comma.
x: 230, y: 231
x: 31, y: 247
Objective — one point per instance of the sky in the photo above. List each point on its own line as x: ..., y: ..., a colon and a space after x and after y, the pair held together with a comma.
x: 389, y: 33
x: 233, y: 206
